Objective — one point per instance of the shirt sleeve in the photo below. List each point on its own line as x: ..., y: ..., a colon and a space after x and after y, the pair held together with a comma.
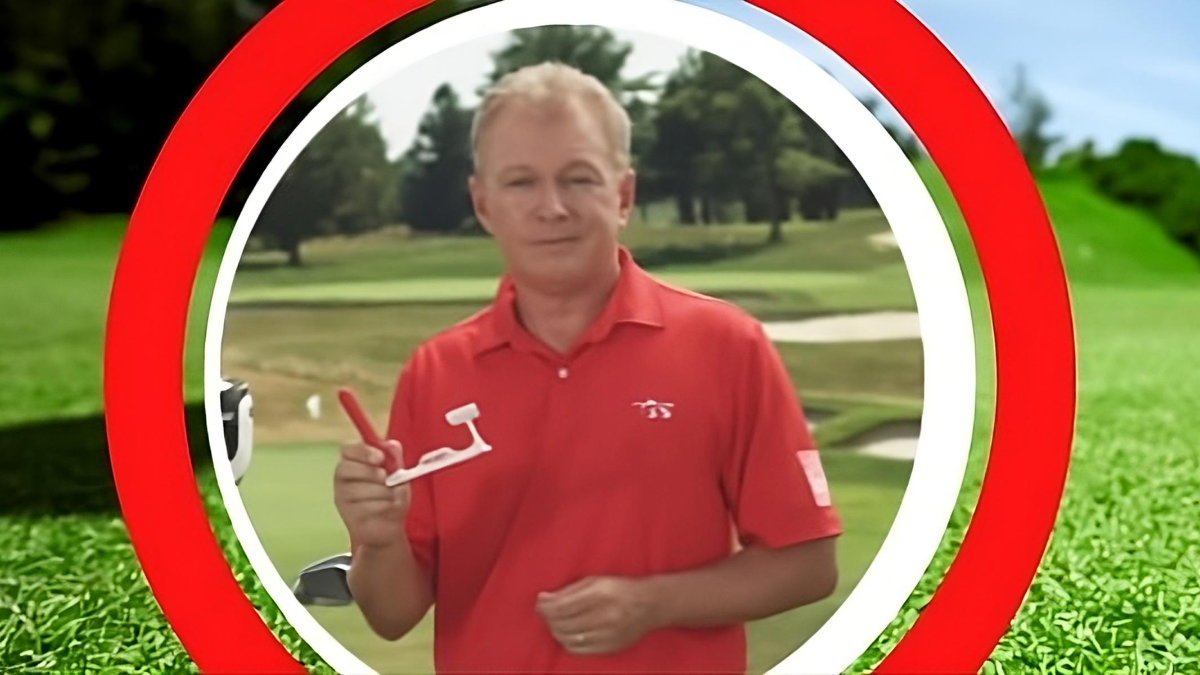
x: 404, y: 426
x: 772, y: 477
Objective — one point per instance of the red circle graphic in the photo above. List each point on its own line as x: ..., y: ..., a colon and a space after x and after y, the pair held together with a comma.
x: 1035, y: 353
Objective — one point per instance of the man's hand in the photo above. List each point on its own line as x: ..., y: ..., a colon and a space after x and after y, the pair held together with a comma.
x: 599, y: 615
x: 373, y: 513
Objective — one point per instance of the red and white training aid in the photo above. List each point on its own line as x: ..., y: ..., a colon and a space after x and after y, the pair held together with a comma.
x: 430, y: 461
x: 446, y: 457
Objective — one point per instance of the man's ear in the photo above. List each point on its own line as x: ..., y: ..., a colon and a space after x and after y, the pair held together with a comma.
x: 479, y: 202
x: 627, y: 194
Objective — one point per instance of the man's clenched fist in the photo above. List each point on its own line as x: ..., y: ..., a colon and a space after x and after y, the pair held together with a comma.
x: 373, y: 513
x: 599, y: 615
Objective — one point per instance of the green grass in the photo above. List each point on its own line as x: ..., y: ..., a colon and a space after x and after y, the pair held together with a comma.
x: 882, y: 371
x: 866, y: 489
x: 475, y: 289
x: 1103, y: 243
x: 309, y: 528
x: 289, y: 333
x: 769, y: 295
x: 54, y: 288
x: 392, y: 254
x: 54, y: 285
x: 68, y: 604
x: 297, y: 345
x: 72, y: 596
x: 52, y: 350
x: 820, y: 267
x: 290, y: 351
x: 1117, y: 589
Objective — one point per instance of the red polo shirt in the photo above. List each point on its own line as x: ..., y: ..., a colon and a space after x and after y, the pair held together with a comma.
x: 669, y: 422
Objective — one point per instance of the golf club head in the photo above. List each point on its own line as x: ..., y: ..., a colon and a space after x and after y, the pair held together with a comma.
x: 463, y: 415
x: 324, y: 582
x: 237, y: 419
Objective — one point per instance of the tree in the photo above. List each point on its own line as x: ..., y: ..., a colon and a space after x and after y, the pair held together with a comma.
x: 341, y: 183
x: 1180, y: 212
x: 723, y: 134
x: 678, y: 141
x: 1031, y: 112
x: 438, y: 165
x: 1166, y: 184
x: 649, y: 182
x: 771, y: 143
x: 1080, y: 159
x: 592, y: 49
x: 90, y: 90
x: 907, y: 142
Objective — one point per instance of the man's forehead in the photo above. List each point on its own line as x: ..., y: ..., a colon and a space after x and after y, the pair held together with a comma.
x: 539, y: 112
x: 587, y: 160
x: 533, y: 137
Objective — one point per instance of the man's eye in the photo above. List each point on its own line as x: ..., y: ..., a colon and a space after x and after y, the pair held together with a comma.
x: 581, y: 180
x: 520, y: 182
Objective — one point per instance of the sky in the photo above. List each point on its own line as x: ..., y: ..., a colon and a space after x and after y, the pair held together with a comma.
x: 1110, y: 69
x: 401, y: 100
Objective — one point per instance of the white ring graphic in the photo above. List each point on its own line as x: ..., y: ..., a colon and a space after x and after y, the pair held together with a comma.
x: 936, y: 279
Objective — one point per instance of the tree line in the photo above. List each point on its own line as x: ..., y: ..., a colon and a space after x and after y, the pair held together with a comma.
x: 712, y: 139
x: 1142, y: 174
x: 1139, y: 172
x: 89, y: 91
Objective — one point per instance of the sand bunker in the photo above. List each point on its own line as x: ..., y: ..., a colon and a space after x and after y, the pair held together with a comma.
x: 870, y: 327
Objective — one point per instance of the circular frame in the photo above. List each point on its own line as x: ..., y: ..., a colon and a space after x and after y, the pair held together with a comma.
x: 1035, y: 362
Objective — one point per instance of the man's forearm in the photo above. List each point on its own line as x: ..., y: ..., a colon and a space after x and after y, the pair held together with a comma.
x: 390, y: 587
x: 754, y: 583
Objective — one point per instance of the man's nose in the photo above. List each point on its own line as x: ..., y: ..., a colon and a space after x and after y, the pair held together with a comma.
x: 550, y: 204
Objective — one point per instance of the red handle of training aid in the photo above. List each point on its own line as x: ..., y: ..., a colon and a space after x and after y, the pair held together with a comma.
x: 352, y: 407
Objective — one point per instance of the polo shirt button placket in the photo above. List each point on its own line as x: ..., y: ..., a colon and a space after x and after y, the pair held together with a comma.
x: 563, y: 372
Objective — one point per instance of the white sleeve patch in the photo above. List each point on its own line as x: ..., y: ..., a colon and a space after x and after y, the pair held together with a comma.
x: 810, y: 461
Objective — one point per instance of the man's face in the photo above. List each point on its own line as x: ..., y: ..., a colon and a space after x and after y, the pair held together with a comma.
x: 548, y: 190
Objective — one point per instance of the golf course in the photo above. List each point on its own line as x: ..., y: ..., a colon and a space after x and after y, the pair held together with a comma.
x: 360, y: 306
x: 1116, y: 591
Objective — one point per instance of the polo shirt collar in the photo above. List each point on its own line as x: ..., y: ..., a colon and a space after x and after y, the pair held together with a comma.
x: 633, y: 300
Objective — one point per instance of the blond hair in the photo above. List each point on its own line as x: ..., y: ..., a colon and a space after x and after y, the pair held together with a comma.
x: 553, y: 82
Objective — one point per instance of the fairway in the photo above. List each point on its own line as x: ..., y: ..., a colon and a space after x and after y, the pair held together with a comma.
x: 290, y: 354
x: 848, y: 291
x: 395, y: 253
x: 820, y: 268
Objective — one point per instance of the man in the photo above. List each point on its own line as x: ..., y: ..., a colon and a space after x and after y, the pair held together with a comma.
x: 652, y: 484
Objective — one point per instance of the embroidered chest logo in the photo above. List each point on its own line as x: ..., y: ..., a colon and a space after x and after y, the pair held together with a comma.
x: 655, y: 410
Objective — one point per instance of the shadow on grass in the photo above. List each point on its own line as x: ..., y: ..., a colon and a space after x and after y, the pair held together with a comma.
x: 768, y: 306
x: 260, y: 264
x: 651, y: 257
x: 57, y: 467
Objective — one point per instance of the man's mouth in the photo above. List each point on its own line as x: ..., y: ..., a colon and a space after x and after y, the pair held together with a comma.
x: 553, y: 241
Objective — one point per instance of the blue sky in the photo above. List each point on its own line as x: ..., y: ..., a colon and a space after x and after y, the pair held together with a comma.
x: 1110, y: 69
